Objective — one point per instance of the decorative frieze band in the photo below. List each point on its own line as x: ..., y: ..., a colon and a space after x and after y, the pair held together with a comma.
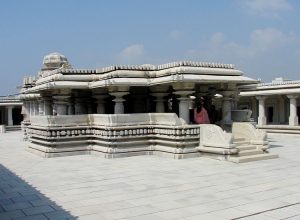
x: 113, y: 132
x: 146, y: 67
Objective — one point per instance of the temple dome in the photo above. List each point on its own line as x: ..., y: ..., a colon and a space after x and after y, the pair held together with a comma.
x: 54, y: 61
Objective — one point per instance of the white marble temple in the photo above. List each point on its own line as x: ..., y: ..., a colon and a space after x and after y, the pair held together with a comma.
x: 127, y: 110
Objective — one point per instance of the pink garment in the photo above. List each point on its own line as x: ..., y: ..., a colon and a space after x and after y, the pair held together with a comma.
x: 201, y: 117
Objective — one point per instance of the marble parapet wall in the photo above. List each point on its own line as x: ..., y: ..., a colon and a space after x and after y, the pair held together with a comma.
x: 122, y: 135
x: 113, y: 135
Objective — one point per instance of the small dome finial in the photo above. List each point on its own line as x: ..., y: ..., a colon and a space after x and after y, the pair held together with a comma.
x: 54, y: 61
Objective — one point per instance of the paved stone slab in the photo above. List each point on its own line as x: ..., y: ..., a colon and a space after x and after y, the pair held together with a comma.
x: 11, y: 214
x: 57, y: 215
x: 26, y: 198
x: 38, y: 210
x: 17, y: 206
x: 145, y: 187
x: 32, y: 217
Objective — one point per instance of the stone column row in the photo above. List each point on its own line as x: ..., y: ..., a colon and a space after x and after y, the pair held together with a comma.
x: 293, y: 118
x: 61, y: 104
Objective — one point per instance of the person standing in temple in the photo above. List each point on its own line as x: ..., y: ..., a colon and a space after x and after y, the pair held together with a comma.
x: 200, y: 113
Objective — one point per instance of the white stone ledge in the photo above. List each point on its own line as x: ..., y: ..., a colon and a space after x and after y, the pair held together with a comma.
x: 169, y: 119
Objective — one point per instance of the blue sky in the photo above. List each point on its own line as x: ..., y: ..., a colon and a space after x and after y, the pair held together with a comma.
x: 261, y: 37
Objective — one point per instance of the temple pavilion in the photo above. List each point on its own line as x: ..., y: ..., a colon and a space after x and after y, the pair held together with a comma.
x: 126, y: 110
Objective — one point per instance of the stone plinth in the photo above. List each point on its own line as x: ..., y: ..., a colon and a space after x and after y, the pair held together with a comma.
x: 116, y: 135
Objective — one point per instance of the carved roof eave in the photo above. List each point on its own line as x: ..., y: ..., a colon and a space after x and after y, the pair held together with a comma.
x: 58, y: 85
x: 49, y: 85
x: 269, y: 92
x: 29, y: 95
x: 10, y: 100
x: 91, y: 75
x: 11, y: 103
x: 270, y: 86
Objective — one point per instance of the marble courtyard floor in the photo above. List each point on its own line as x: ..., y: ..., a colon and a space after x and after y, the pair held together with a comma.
x: 148, y: 187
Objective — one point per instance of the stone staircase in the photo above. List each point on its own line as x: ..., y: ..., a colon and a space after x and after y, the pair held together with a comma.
x: 13, y: 128
x: 249, y: 153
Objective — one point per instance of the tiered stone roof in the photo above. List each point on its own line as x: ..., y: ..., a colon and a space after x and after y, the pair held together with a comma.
x: 145, y: 67
x: 10, y: 99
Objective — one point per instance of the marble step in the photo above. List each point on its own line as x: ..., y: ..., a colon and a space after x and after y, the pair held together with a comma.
x: 13, y: 128
x: 245, y: 159
x: 246, y: 147
x: 250, y: 152
x: 240, y: 142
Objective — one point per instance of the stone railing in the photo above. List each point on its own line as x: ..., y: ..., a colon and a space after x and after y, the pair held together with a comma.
x: 216, y: 141
x: 243, y: 131
x: 113, y: 135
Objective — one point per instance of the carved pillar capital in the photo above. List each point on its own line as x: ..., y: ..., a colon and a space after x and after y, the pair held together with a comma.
x: 119, y: 106
x: 260, y: 97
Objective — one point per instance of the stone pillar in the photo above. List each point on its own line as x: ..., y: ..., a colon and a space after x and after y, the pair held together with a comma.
x: 160, y: 106
x: 26, y: 110
x: 36, y: 107
x: 184, y: 101
x: 9, y: 116
x: 262, y: 120
x: 254, y: 108
x: 235, y: 101
x: 100, y: 103
x: 119, y: 105
x: 281, y: 109
x: 41, y: 104
x: 226, y: 107
x: 61, y: 104
x: 293, y: 119
x: 48, y: 107
x: 30, y: 108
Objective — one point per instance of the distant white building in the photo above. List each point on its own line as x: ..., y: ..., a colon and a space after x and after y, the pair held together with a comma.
x: 10, y: 111
x: 275, y: 105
